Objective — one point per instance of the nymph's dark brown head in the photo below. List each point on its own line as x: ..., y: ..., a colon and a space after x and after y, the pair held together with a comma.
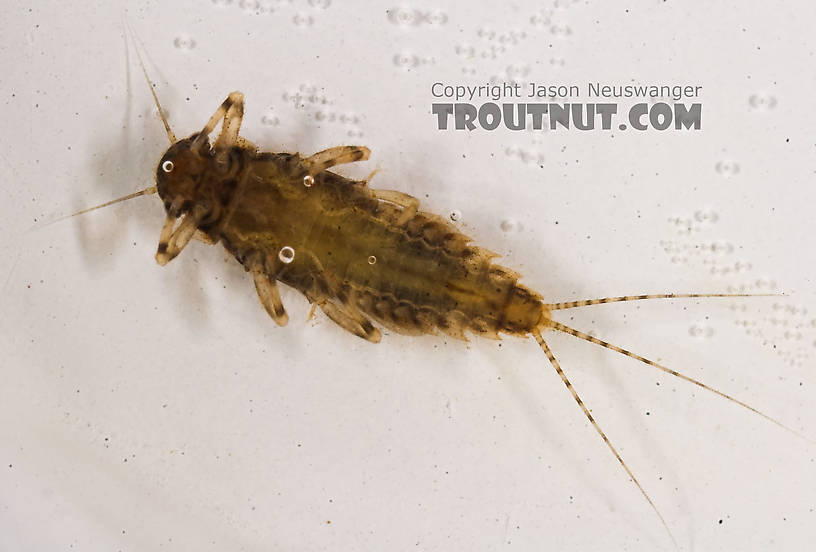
x: 180, y: 173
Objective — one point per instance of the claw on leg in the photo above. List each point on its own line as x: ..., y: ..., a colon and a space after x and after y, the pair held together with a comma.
x: 351, y: 320
x: 231, y: 111
x: 270, y: 298
x: 171, y: 241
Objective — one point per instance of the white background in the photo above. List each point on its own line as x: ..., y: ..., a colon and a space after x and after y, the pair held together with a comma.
x: 147, y: 408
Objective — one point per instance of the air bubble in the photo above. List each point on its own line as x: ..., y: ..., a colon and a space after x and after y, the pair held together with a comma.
x: 510, y: 225
x: 406, y: 60
x: 372, y: 259
x: 303, y: 20
x: 517, y: 70
x: 727, y: 168
x: 308, y: 181
x: 701, y: 330
x: 706, y: 215
x: 167, y: 166
x: 320, y: 4
x: 485, y: 33
x: 265, y: 6
x: 720, y: 247
x: 465, y: 50
x: 762, y: 102
x: 286, y: 254
x: 436, y: 17
x: 539, y: 20
x: 184, y: 42
x: 742, y: 266
x: 561, y: 30
x: 455, y: 215
x: 762, y: 283
x: 404, y: 16
x: 270, y: 119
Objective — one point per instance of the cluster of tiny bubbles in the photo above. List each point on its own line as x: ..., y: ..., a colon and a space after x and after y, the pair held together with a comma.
x: 411, y: 17
x: 793, y: 310
x: 560, y: 30
x: 493, y: 52
x: 320, y: 4
x: 540, y: 20
x: 727, y: 168
x: 286, y: 254
x: 720, y: 247
x: 270, y: 119
x: 354, y: 133
x: 678, y: 259
x: 485, y: 33
x: 306, y: 94
x: 254, y: 6
x: 348, y: 118
x: 524, y: 155
x: 762, y: 102
x: 308, y: 181
x: 184, y: 42
x: 465, y: 50
x: 372, y: 259
x: 706, y: 216
x: 764, y: 284
x: 736, y: 268
x: 331, y: 116
x: 701, y: 330
x: 303, y: 20
x: 517, y: 70
x: 469, y: 70
x: 455, y: 215
x: 408, y: 61
x: 557, y: 62
x: 510, y: 225
x: 512, y: 37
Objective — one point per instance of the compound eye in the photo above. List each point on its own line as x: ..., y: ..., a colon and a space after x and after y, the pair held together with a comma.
x: 167, y: 166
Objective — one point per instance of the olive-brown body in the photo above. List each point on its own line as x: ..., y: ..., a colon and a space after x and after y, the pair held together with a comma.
x: 413, y: 276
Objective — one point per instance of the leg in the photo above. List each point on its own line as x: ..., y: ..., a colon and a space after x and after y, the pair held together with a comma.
x: 270, y: 298
x: 232, y: 111
x: 328, y: 158
x: 171, y: 241
x: 351, y: 320
x: 409, y: 204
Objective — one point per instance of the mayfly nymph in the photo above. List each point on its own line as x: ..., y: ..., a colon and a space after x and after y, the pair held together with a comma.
x: 362, y: 255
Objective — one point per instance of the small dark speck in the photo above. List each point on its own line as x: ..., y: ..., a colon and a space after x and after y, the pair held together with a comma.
x: 720, y: 522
